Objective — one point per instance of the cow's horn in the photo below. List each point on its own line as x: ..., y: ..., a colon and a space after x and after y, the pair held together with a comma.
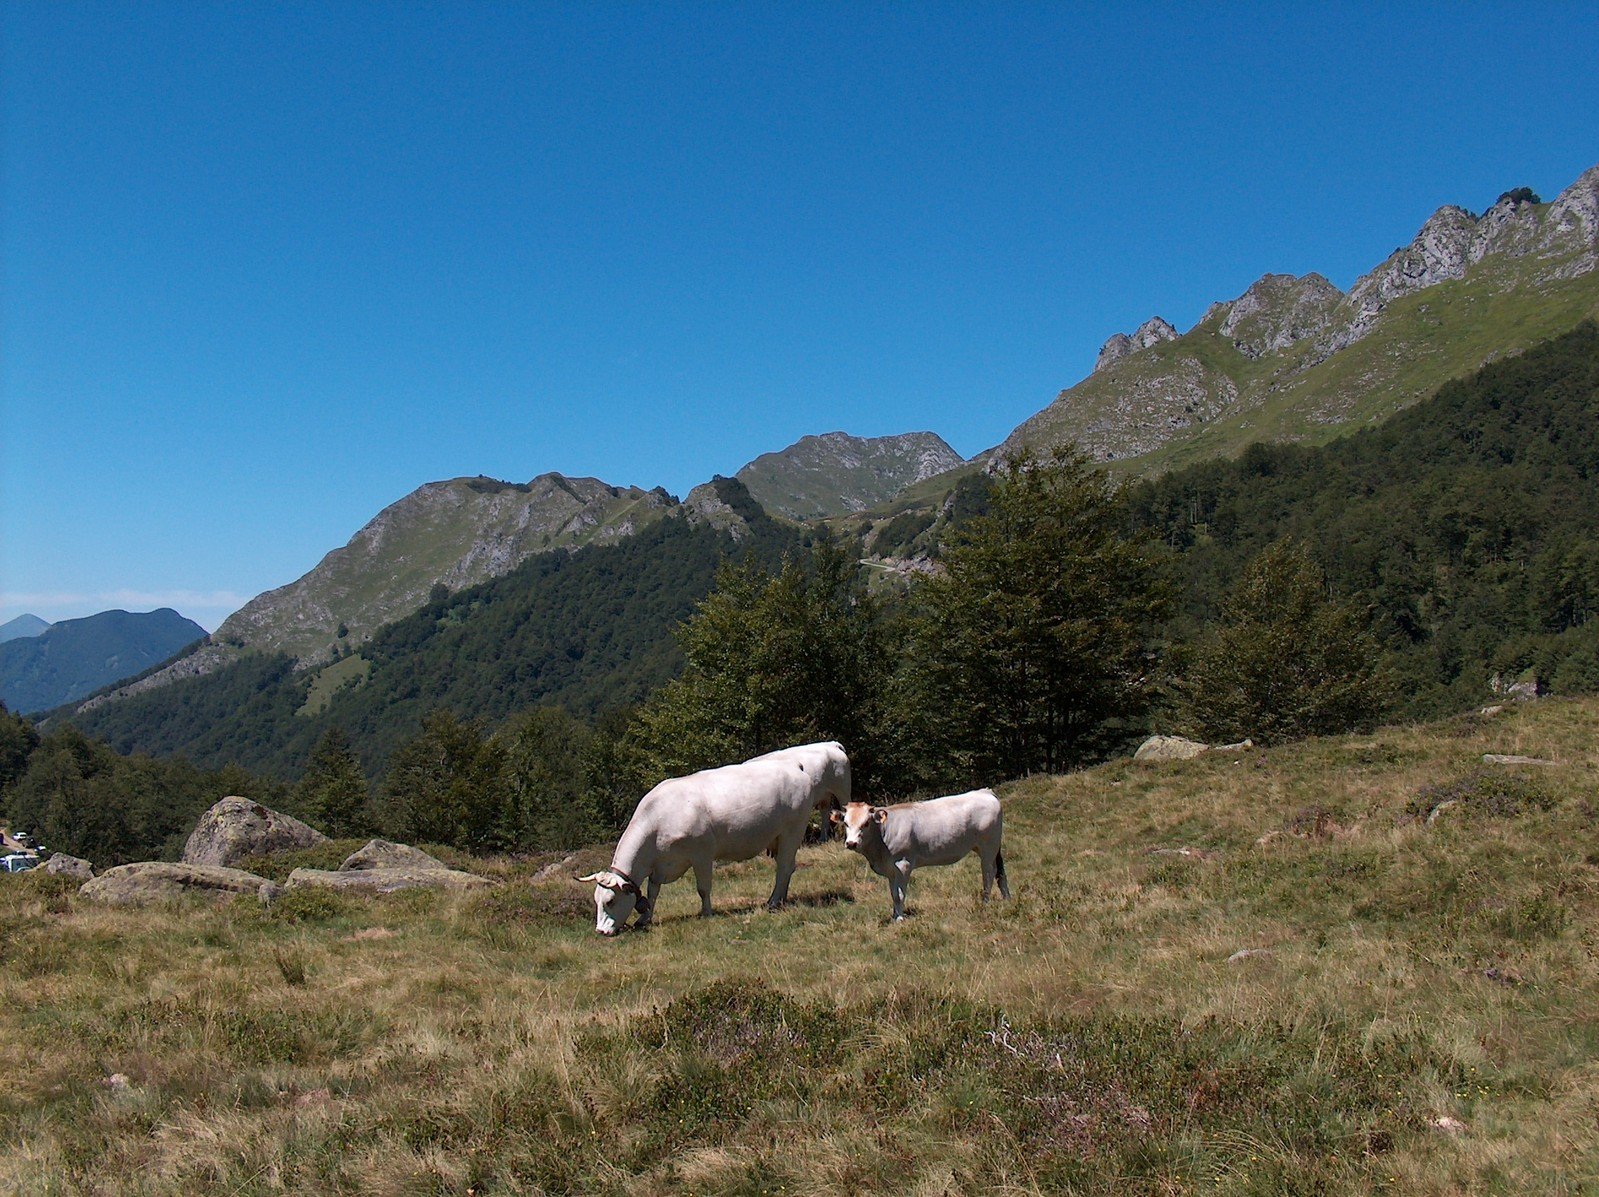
x: 591, y: 877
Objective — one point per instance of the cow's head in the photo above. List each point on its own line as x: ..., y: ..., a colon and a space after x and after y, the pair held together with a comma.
x: 859, y: 819
x: 616, y: 896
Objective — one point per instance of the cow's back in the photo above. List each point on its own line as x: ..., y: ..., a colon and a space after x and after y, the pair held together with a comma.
x: 942, y: 830
x: 735, y: 811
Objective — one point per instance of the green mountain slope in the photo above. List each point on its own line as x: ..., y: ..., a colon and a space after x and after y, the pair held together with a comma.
x: 589, y: 630
x: 1296, y: 359
x: 835, y: 473
x: 1466, y: 524
x: 79, y: 656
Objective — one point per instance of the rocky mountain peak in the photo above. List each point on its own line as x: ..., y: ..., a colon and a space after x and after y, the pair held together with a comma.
x: 1279, y: 310
x: 1148, y: 334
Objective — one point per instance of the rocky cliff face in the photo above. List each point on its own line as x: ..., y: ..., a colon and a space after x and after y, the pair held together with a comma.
x: 836, y: 474
x: 1296, y: 357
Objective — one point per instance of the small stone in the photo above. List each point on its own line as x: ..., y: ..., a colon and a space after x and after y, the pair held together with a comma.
x: 1244, y: 954
x: 1441, y: 809
x: 1494, y: 758
x: 1449, y: 1126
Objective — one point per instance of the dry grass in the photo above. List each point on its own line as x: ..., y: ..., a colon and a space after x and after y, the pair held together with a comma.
x: 1089, y: 1036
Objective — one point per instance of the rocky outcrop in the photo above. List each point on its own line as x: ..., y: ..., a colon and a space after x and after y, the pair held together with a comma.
x: 1176, y: 748
x: 159, y: 881
x: 74, y: 867
x: 237, y: 827
x: 386, y: 880
x: 384, y: 854
x: 1169, y: 748
x: 1279, y: 311
x: 1150, y: 333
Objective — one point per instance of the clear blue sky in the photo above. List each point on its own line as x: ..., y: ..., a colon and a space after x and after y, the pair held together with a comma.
x: 265, y: 268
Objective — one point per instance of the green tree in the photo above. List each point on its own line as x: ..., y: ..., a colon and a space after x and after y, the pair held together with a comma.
x: 18, y: 739
x: 1032, y: 648
x: 332, y: 795
x: 444, y: 787
x: 1284, y: 660
x: 548, y: 803
x: 773, y: 660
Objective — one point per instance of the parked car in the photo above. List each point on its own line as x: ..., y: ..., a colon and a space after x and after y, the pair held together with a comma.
x: 18, y: 862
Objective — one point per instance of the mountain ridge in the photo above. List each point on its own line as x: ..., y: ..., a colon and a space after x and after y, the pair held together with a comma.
x: 76, y: 657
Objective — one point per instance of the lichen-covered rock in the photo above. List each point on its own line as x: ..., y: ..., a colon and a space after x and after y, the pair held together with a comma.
x: 383, y: 881
x: 237, y: 827
x: 385, y: 854
x: 68, y: 866
x: 1169, y: 748
x: 159, y: 880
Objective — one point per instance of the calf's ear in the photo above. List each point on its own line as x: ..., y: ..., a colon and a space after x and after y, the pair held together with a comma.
x: 880, y: 814
x: 834, y: 816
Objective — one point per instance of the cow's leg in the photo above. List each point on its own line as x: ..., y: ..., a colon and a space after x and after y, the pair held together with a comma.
x: 899, y: 880
x: 702, y: 882
x: 999, y: 875
x: 787, y: 849
x: 651, y: 888
x: 988, y: 871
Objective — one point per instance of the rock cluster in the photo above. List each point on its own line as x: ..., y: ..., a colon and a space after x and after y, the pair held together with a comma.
x: 383, y: 867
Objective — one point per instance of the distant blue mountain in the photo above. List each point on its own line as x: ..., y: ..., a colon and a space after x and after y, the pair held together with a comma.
x: 76, y: 657
x: 22, y: 625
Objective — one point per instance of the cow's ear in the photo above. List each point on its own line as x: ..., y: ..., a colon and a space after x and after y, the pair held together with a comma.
x: 834, y: 816
x: 880, y: 814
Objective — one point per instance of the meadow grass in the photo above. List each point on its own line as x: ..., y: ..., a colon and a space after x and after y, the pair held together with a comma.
x: 1096, y: 1034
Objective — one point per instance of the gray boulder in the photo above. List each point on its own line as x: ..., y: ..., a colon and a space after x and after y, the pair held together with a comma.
x: 237, y: 827
x: 1169, y: 748
x: 159, y: 880
x: 386, y: 880
x: 383, y: 854
x: 68, y: 866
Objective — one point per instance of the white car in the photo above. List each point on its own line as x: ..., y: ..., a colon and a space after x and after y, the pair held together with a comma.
x: 18, y: 862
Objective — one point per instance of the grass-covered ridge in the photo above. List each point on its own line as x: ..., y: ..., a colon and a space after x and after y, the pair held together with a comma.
x: 1089, y: 1036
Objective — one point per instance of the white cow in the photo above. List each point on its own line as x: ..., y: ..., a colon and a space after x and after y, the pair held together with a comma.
x: 896, y: 839
x: 732, y: 813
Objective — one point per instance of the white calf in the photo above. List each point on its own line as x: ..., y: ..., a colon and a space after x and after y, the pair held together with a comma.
x: 896, y: 839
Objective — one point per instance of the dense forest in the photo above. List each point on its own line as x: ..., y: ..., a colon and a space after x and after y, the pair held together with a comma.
x: 1396, y: 572
x: 1467, y: 525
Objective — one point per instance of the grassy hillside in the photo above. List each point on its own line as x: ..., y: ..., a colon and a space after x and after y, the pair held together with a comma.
x: 1094, y: 1035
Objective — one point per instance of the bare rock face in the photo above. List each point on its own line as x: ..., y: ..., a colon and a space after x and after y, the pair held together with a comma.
x: 237, y: 827
x: 68, y: 866
x: 1148, y: 334
x: 159, y: 881
x: 386, y: 880
x: 384, y: 854
x: 1280, y: 310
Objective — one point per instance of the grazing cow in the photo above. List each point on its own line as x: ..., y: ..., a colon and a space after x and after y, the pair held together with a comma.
x: 732, y: 813
x: 896, y: 839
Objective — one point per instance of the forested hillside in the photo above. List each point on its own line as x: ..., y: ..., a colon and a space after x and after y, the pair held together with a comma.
x: 1467, y: 524
x: 588, y: 630
x: 76, y: 657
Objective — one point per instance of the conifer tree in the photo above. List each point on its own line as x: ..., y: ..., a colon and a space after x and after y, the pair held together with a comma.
x: 1284, y: 660
x: 332, y: 795
x: 1032, y: 649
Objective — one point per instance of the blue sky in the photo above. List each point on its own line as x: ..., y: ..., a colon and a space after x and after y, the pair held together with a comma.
x: 264, y: 269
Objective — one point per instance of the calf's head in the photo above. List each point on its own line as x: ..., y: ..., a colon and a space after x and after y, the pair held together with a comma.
x: 860, y: 821
x: 615, y: 898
